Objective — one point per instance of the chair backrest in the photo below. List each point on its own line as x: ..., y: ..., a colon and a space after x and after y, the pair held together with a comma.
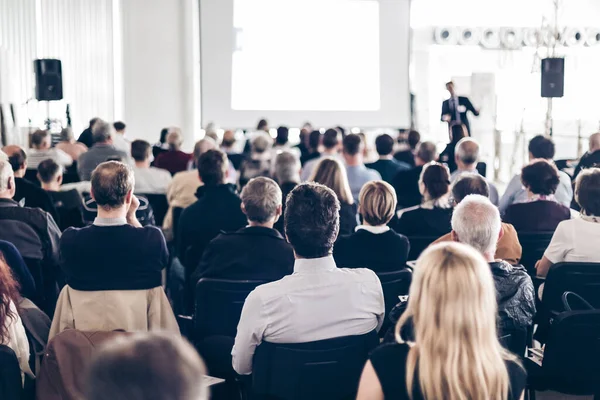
x: 418, y: 244
x: 481, y: 168
x: 534, y: 245
x: 218, y: 306
x: 394, y: 284
x: 572, y: 352
x: 580, y: 278
x: 176, y: 214
x: 144, y: 213
x: 325, y: 369
x: 160, y: 206
x: 10, y: 375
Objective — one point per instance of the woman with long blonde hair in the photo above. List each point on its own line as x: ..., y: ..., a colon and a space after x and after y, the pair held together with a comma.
x: 454, y: 352
x: 332, y: 173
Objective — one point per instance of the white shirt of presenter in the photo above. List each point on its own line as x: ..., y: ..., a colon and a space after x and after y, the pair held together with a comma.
x: 318, y: 301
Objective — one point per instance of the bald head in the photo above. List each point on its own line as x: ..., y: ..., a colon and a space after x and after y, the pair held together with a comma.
x: 467, y: 153
x: 476, y: 222
x: 112, y: 185
x: 7, y: 180
x: 202, y: 146
x: 595, y: 142
x: 17, y: 159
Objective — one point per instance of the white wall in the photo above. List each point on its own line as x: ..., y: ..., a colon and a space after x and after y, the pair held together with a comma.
x: 159, y: 81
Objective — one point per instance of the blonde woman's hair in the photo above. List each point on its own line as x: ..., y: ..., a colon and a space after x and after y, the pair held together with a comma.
x: 377, y: 202
x: 452, y: 305
x: 332, y: 173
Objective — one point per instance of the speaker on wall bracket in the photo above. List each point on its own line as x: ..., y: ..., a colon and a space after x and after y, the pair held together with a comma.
x: 48, y: 79
x: 553, y: 77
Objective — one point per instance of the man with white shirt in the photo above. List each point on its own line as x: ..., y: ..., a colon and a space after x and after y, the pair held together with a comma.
x: 466, y: 156
x: 319, y: 300
x: 41, y: 150
x: 119, y: 140
x: 455, y: 109
x: 148, y: 180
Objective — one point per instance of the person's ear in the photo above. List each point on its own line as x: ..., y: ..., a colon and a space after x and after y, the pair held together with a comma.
x: 454, y: 236
x: 128, y: 197
x: 59, y: 179
x: 501, y: 234
x: 243, y: 208
x: 92, y: 194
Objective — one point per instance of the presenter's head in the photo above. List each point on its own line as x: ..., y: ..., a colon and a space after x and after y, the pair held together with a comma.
x: 450, y: 88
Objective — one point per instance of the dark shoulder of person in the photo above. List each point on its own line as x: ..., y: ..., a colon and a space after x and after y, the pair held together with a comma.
x: 389, y: 363
x: 517, y: 377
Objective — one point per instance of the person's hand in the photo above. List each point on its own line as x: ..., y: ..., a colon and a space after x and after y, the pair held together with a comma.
x: 133, y: 206
x: 446, y: 118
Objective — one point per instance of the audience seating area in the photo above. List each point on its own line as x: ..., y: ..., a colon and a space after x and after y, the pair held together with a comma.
x: 261, y: 339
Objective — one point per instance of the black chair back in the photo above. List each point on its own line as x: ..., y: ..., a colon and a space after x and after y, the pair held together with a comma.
x: 481, y: 168
x: 534, y: 245
x: 418, y: 244
x: 218, y: 306
x: 10, y: 375
x: 580, y: 278
x: 176, y: 215
x: 144, y: 213
x: 394, y: 284
x: 47, y: 281
x: 572, y: 353
x: 160, y: 206
x: 31, y: 176
x: 326, y: 369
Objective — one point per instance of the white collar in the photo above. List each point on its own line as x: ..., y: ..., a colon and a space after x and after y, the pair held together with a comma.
x: 314, y: 265
x: 376, y: 230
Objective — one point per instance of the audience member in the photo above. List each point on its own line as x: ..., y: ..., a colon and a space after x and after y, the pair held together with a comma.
x: 86, y: 137
x: 476, y: 222
x: 287, y: 175
x: 374, y: 245
x: 116, y: 252
x: 332, y: 139
x: 304, y: 145
x: 457, y: 132
x: 541, y: 213
x: 68, y: 203
x: 19, y: 270
x: 228, y: 147
x: 466, y: 157
x: 147, y: 366
x: 539, y: 147
x: 259, y: 161
x: 432, y: 216
x: 257, y: 251
x: 33, y: 231
x: 161, y: 146
x: 312, y: 149
x: 100, y: 152
x: 406, y: 183
x: 331, y: 173
x: 27, y: 193
x: 148, y: 180
x: 575, y: 240
x: 119, y: 140
x: 454, y: 352
x: 357, y: 173
x: 508, y: 248
x: 217, y: 209
x: 69, y: 145
x: 173, y: 160
x: 263, y: 125
x: 592, y: 157
x: 181, y: 193
x: 387, y: 165
x: 319, y: 300
x: 12, y: 332
x: 408, y: 155
x: 41, y: 150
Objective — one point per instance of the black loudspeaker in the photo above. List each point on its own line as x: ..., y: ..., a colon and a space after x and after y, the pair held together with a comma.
x: 553, y: 77
x: 48, y: 79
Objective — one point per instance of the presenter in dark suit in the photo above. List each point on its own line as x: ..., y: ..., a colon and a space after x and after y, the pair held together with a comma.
x: 455, y: 109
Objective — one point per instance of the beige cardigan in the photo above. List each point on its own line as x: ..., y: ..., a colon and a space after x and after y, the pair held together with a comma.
x: 109, y: 310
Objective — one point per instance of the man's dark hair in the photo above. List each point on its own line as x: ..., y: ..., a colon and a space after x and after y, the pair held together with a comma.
x: 111, y: 181
x: 314, y: 139
x: 38, y: 137
x: 93, y: 121
x: 163, y: 135
x: 17, y: 159
x: 283, y: 135
x: 384, y: 144
x: 262, y: 124
x: 542, y: 147
x: 470, y: 183
x: 352, y: 144
x: 414, y: 138
x: 48, y: 170
x: 119, y: 125
x: 540, y: 177
x: 587, y: 191
x: 331, y: 138
x: 436, y: 179
x: 312, y: 219
x: 212, y: 167
x: 140, y: 150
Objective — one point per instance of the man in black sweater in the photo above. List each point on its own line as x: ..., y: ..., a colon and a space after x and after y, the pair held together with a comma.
x: 257, y: 251
x: 116, y: 252
x: 406, y: 183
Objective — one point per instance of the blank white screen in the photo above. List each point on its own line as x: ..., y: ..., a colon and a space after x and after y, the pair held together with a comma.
x: 330, y: 62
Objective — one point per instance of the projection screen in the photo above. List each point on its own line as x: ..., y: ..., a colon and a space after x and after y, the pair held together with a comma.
x: 330, y: 62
